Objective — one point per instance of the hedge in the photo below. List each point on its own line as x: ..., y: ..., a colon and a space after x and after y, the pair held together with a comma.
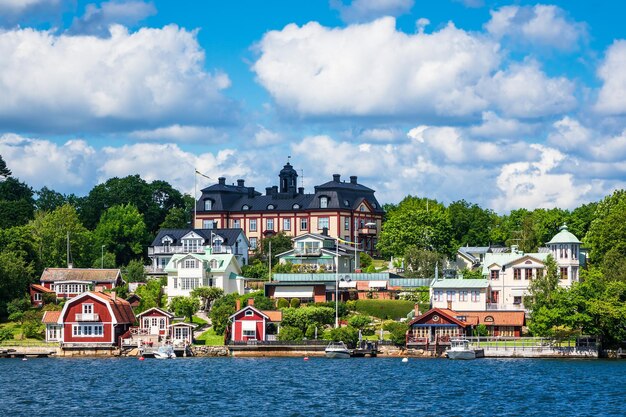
x: 385, y: 309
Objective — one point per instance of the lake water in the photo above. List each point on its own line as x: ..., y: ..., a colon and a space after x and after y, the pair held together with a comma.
x: 317, y: 387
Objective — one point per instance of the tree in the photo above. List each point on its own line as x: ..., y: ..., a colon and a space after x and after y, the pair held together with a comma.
x: 222, y: 309
x: 288, y: 333
x: 280, y: 243
x: 471, y: 225
x: 49, y: 200
x: 150, y: 295
x: 15, y: 276
x: 185, y: 306
x: 134, y: 272
x: 416, y: 222
x: 257, y: 269
x: 349, y: 335
x: 421, y: 263
x: 207, y: 295
x: 123, y: 232
x: 608, y: 230
x: 17, y: 205
x: 4, y: 171
x: 397, y: 331
x: 50, y: 232
x: 176, y: 218
x: 543, y: 293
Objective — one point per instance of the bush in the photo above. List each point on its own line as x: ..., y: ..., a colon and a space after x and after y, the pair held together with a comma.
x: 397, y: 331
x: 294, y: 303
x: 342, y: 308
x: 359, y: 321
x: 481, y: 330
x: 310, y: 331
x: 349, y: 335
x: 384, y: 309
x: 282, y: 303
x: 290, y: 333
x: 304, y: 317
x: 33, y: 330
x: 6, y: 333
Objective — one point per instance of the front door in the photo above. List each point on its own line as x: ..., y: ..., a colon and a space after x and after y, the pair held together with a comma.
x: 154, y: 325
x: 495, y: 295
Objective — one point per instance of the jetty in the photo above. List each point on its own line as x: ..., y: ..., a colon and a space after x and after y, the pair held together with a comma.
x: 27, y: 351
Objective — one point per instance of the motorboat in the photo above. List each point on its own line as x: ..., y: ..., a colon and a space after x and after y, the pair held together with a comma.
x: 460, y: 349
x: 337, y: 350
x: 165, y: 352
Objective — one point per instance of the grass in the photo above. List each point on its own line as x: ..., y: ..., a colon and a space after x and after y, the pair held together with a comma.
x: 211, y: 339
x: 198, y: 320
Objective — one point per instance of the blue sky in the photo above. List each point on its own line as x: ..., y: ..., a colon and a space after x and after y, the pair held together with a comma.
x: 505, y: 104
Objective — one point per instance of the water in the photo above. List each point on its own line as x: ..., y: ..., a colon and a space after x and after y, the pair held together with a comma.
x: 317, y: 387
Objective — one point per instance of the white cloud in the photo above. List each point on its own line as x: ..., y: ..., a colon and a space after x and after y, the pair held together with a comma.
x: 178, y: 133
x: 569, y: 135
x: 364, y: 10
x: 537, y: 185
x: 494, y: 126
x: 381, y: 135
x: 539, y: 25
x: 612, y: 71
x: 523, y: 90
x: 142, y: 80
x: 472, y: 3
x: 374, y: 70
x: 265, y: 137
x: 14, y: 12
x: 96, y: 20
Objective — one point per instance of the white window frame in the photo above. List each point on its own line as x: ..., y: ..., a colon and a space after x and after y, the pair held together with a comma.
x: 208, y: 205
x: 286, y: 224
x: 326, y: 221
x: 269, y: 224
x: 253, y: 225
x: 324, y: 202
x: 88, y: 308
x: 253, y: 243
x: 304, y: 223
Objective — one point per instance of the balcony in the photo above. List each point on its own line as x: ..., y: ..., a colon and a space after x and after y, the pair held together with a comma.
x: 166, y: 250
x: 307, y: 252
x: 88, y: 317
x: 371, y: 231
x: 505, y: 307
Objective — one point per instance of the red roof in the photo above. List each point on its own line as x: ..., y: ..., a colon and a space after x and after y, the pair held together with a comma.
x: 498, y: 318
x: 40, y: 288
x: 121, y: 308
x: 50, y: 317
x: 275, y: 316
x: 450, y: 315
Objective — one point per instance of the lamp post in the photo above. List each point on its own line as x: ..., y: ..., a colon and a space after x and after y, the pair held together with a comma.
x: 337, y: 283
x: 102, y: 262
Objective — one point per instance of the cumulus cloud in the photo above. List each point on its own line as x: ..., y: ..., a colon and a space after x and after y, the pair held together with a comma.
x: 178, y: 133
x: 265, y: 137
x: 523, y: 90
x: 374, y: 70
x: 13, y: 12
x: 365, y: 10
x: 539, y: 25
x: 537, y: 184
x: 569, y: 134
x: 494, y: 126
x: 612, y: 71
x: 141, y: 80
x: 96, y: 20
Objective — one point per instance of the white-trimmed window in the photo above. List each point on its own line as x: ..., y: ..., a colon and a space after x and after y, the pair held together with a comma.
x: 208, y: 205
x: 236, y: 224
x: 304, y: 223
x: 517, y: 273
x: 253, y: 243
x: 528, y: 274
x: 323, y: 202
x: 450, y: 295
x: 162, y: 324
x: 37, y: 296
x: 88, y: 330
x: 438, y: 295
x: 253, y: 225
x: 463, y: 295
x: 269, y: 224
x: 495, y: 274
x: 87, y: 308
x: 207, y: 224
x: 249, y: 313
x: 475, y: 296
x: 346, y: 223
x: 323, y: 222
x: 189, y: 264
x: 181, y: 333
x: 286, y: 224
x: 517, y: 299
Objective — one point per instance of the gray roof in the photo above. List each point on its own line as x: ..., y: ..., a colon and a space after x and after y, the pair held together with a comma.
x: 461, y: 283
x: 229, y: 236
x: 564, y: 236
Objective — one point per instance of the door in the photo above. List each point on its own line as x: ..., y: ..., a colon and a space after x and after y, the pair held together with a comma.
x: 495, y: 295
x: 154, y: 325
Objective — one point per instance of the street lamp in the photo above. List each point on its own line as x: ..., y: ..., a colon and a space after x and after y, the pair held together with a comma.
x: 102, y: 262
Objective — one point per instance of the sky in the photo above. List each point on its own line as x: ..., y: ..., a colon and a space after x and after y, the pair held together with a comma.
x: 506, y: 104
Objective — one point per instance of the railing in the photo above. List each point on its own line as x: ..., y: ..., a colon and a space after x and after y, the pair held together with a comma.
x: 508, y: 307
x: 367, y: 230
x: 533, y: 343
x: 87, y: 317
x: 138, y: 331
x: 313, y: 342
x: 156, y: 250
x: 307, y: 252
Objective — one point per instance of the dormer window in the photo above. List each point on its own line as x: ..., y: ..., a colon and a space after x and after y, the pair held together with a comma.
x: 270, y: 207
x: 346, y: 203
x: 323, y: 202
x: 296, y: 206
x: 245, y: 207
x: 208, y: 205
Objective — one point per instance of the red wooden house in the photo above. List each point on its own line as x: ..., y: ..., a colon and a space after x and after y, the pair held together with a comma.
x: 69, y: 282
x: 95, y: 319
x: 249, y: 323
x: 37, y: 292
x: 155, y: 321
x: 435, y: 327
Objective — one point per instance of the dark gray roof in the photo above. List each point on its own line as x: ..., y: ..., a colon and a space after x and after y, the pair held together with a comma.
x: 228, y: 235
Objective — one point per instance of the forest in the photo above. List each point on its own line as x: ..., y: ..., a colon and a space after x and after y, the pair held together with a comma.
x: 114, y: 223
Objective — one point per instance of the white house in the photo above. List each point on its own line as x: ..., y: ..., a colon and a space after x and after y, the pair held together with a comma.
x: 460, y: 294
x: 315, y: 253
x: 510, y: 274
x: 188, y: 271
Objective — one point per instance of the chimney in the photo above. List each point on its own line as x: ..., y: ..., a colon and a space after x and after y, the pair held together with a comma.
x: 250, y: 192
x: 113, y: 295
x: 240, y: 183
x: 275, y: 190
x: 336, y: 177
x: 417, y: 310
x: 301, y: 190
x: 325, y: 231
x: 353, y: 179
x: 251, y: 302
x: 221, y: 180
x: 449, y: 305
x: 237, y: 304
x: 268, y: 190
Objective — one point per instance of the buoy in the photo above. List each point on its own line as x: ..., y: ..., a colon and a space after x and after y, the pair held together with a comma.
x: 306, y: 358
x: 405, y: 359
x: 141, y: 358
x: 24, y: 359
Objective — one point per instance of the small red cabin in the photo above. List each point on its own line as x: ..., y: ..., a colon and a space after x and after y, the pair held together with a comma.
x: 36, y: 292
x: 155, y: 321
x: 436, y: 326
x: 95, y: 318
x: 250, y: 323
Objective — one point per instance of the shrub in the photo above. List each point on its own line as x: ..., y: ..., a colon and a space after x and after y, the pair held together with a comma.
x: 303, y: 317
x: 397, y: 331
x: 294, y: 303
x: 481, y: 330
x: 359, y: 321
x: 282, y: 303
x: 310, y: 331
x: 6, y: 333
x: 349, y: 335
x: 384, y: 309
x: 342, y: 308
x: 290, y: 333
x: 33, y: 330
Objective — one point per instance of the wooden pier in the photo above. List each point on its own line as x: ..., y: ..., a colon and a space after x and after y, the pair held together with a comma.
x: 365, y: 348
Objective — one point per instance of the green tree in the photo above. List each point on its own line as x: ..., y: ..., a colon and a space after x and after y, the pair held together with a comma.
x: 471, y: 274
x: 222, y: 309
x: 420, y: 263
x: 471, y: 225
x: 207, y: 296
x: 17, y: 205
x: 257, y: 269
x: 4, y: 171
x: 151, y: 295
x: 185, y: 306
x: 15, y: 276
x: 608, y: 230
x: 348, y: 334
x: 50, y: 232
x: 280, y: 243
x: 176, y: 218
x: 288, y: 333
x: 360, y: 322
x: 135, y: 271
x: 397, y: 331
x: 416, y: 222
x: 260, y: 300
x: 49, y: 200
x: 303, y: 317
x: 123, y: 232
x: 365, y: 261
x: 543, y: 293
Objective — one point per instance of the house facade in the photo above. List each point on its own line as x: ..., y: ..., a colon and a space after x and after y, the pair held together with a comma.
x: 54, y: 330
x: 348, y: 210
x: 435, y: 327
x: 185, y: 272
x: 93, y: 319
x: 36, y: 293
x: 154, y: 321
x: 317, y: 252
x: 252, y: 324
x: 498, y: 323
x: 460, y: 294
x: 169, y: 242
x: 510, y: 274
x: 69, y: 282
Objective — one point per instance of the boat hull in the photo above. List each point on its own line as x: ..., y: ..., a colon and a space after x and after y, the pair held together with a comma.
x: 337, y: 355
x: 461, y: 354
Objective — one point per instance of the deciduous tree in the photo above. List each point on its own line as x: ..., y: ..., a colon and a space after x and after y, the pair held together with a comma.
x: 123, y: 232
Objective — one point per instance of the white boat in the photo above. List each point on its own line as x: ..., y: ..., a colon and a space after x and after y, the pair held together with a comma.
x: 165, y: 352
x: 337, y: 350
x: 459, y: 349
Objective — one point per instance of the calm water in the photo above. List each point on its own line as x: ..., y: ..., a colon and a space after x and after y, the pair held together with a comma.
x: 318, y: 387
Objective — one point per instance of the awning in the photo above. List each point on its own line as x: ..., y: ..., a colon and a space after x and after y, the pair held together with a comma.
x: 344, y: 284
x: 248, y: 325
x: 378, y: 284
x: 293, y: 292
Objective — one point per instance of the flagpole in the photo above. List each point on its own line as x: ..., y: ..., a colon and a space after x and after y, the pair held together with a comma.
x: 195, y: 203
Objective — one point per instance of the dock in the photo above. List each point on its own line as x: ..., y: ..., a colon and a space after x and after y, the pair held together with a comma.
x: 27, y: 352
x: 365, y: 348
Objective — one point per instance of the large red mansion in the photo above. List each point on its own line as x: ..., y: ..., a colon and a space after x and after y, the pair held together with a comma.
x: 347, y: 210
